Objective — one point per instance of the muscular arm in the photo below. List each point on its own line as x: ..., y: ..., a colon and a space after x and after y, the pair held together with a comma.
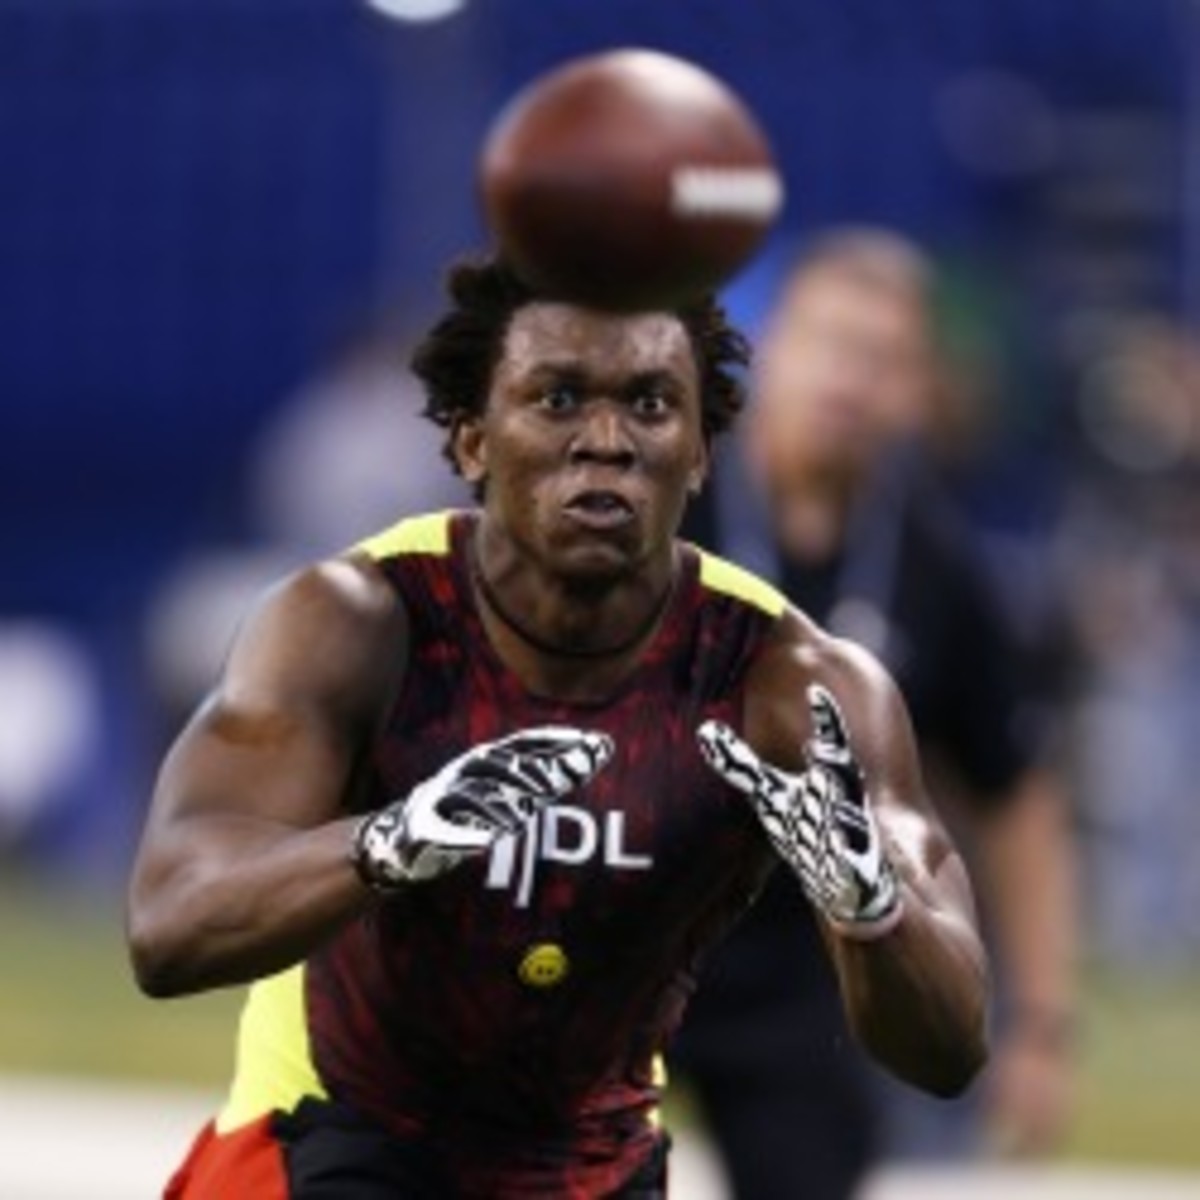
x: 244, y: 863
x: 915, y: 997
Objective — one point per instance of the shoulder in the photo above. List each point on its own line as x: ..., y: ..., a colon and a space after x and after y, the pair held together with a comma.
x: 423, y: 559
x: 334, y: 597
x: 729, y: 616
x: 355, y: 590
x: 722, y: 578
x: 801, y: 653
x: 424, y: 535
x: 332, y: 636
x: 790, y: 652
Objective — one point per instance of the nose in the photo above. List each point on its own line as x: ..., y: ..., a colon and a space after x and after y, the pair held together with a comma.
x: 603, y: 436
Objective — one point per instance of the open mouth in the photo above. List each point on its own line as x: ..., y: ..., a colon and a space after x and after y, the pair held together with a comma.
x: 600, y: 509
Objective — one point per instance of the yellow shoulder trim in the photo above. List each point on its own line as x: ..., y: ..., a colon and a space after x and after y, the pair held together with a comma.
x: 723, y: 576
x: 274, y: 1060
x: 426, y: 534
x: 658, y: 1077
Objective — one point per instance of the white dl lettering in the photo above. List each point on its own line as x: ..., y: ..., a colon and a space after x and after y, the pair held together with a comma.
x: 561, y: 834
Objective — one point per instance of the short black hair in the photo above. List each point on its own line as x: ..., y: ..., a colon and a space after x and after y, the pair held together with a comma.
x: 456, y: 358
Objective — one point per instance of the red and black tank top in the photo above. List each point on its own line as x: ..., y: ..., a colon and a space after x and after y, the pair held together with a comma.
x: 513, y: 1009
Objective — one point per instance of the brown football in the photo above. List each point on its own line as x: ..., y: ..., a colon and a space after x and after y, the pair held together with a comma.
x: 628, y: 180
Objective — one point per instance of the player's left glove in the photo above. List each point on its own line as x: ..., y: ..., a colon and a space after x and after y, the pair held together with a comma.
x: 819, y: 821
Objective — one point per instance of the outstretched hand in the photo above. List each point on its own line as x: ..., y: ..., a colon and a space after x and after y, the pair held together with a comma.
x: 491, y: 790
x: 819, y: 821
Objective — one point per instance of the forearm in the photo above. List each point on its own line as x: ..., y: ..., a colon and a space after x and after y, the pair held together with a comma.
x: 879, y: 868
x: 246, y: 899
x: 916, y: 997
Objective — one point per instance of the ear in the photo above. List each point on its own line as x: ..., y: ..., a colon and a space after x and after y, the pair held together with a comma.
x: 470, y: 450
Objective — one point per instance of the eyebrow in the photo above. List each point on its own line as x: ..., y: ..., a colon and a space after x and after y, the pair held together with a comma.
x: 574, y: 371
x: 559, y: 369
x: 656, y: 375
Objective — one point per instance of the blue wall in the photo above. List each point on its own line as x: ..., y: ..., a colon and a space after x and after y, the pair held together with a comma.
x: 197, y: 197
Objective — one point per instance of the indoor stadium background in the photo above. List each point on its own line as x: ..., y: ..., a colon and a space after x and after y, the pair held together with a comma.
x: 214, y: 212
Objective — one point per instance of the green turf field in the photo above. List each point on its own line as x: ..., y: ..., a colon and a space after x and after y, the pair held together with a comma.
x: 68, y: 1005
x: 68, y: 1002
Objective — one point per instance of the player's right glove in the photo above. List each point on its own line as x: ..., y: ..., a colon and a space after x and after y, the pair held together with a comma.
x: 819, y: 821
x: 490, y: 790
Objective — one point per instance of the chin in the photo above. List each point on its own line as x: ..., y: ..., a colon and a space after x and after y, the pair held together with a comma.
x: 599, y: 561
x: 610, y: 554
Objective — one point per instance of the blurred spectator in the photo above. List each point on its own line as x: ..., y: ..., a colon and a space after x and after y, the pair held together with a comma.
x: 349, y: 452
x: 850, y: 521
x: 345, y: 456
x: 1130, y: 543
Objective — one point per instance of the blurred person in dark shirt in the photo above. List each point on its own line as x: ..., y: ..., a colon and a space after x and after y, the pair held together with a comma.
x: 841, y: 507
x: 1128, y: 544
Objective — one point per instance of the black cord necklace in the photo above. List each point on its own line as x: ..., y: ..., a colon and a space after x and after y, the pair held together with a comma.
x: 538, y: 643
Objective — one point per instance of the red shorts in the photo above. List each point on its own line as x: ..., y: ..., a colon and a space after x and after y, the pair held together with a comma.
x: 246, y: 1162
x: 322, y: 1145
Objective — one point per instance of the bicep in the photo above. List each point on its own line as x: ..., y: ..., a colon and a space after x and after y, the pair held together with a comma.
x: 277, y: 745
x: 271, y: 762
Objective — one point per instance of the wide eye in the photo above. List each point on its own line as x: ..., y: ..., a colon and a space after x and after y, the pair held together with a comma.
x: 560, y: 397
x: 650, y: 401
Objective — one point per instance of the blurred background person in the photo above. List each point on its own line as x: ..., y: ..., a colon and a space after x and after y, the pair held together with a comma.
x: 1129, y: 545
x: 343, y: 454
x: 349, y: 447
x: 853, y: 525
